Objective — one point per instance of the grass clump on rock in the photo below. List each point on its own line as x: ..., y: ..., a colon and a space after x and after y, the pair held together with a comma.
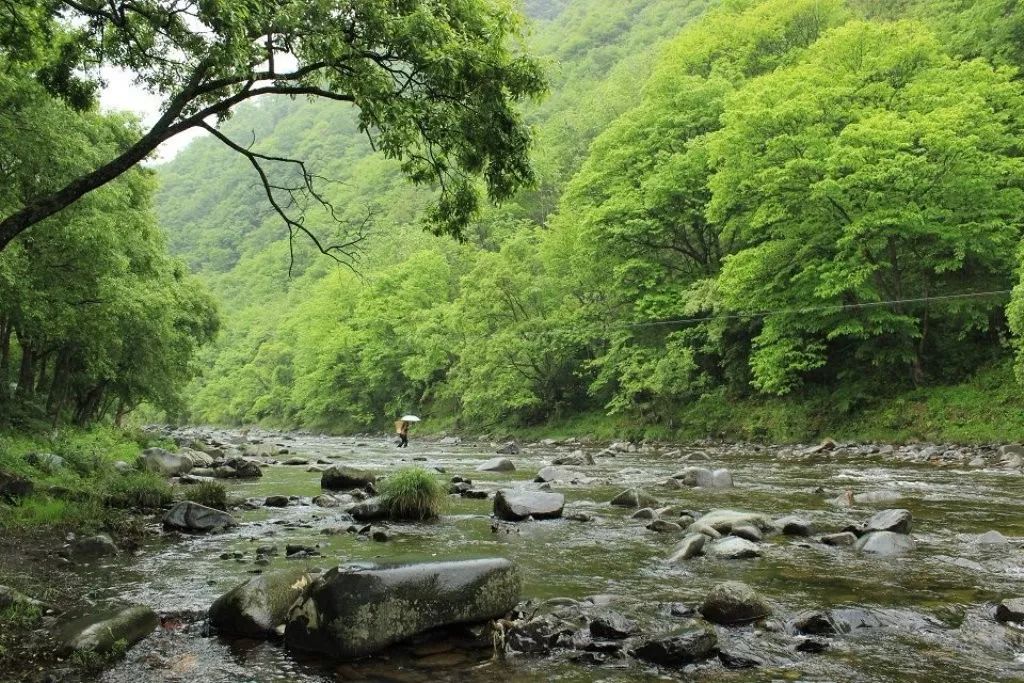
x: 212, y: 494
x: 412, y: 493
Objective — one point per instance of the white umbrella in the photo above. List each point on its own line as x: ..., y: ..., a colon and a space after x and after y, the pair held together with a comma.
x: 410, y: 418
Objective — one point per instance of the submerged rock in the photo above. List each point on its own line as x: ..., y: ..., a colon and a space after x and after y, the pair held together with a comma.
x: 352, y: 614
x: 734, y: 602
x: 885, y: 543
x: 339, y: 478
x: 258, y: 606
x: 91, y: 548
x: 515, y: 506
x: 991, y: 538
x: 634, y: 498
x: 189, y: 516
x: 689, y: 645
x: 101, y: 632
x: 496, y: 465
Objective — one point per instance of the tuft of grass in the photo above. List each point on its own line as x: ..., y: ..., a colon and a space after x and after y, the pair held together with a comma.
x: 142, y: 490
x: 412, y: 493
x: 209, y: 493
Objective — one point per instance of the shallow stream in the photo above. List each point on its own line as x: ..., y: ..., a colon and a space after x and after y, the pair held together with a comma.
x: 935, y: 604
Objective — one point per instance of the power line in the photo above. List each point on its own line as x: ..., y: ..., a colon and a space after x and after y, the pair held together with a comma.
x: 820, y: 309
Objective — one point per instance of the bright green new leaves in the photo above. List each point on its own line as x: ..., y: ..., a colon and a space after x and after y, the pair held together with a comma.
x: 878, y: 169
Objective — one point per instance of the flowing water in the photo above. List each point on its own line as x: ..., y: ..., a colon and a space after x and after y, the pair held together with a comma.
x: 935, y: 604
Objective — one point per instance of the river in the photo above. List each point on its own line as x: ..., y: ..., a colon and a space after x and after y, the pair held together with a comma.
x: 931, y: 609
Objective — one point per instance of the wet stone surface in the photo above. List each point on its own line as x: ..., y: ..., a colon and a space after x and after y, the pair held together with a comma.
x: 927, y: 615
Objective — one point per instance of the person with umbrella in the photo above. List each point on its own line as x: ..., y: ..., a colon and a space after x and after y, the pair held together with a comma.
x: 402, y: 429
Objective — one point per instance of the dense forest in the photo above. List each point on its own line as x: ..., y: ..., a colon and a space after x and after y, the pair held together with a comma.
x: 816, y: 200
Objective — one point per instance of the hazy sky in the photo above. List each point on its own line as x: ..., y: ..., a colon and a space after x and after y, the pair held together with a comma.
x: 122, y: 94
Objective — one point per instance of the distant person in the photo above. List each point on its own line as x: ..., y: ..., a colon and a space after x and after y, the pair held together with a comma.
x: 402, y: 429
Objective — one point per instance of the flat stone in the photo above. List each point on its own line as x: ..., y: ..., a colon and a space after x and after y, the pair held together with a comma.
x: 841, y: 539
x: 679, y: 648
x: 733, y: 548
x: 897, y: 521
x: 723, y: 521
x: 496, y: 465
x: 101, y: 631
x: 515, y: 506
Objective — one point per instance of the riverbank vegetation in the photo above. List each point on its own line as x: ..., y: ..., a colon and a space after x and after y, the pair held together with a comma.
x: 752, y: 219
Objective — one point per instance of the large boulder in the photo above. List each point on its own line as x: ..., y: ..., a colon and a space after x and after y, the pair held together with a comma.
x: 896, y: 520
x: 496, y: 465
x: 14, y: 487
x: 884, y: 543
x: 515, y: 506
x: 164, y: 462
x: 102, y: 631
x: 734, y: 602
x: 193, y: 517
x: 197, y: 458
x: 368, y: 511
x: 634, y: 498
x: 258, y: 606
x: 352, y: 614
x: 341, y: 478
x: 688, y: 645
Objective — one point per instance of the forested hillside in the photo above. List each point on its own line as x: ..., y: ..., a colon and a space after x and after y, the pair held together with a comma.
x: 800, y: 207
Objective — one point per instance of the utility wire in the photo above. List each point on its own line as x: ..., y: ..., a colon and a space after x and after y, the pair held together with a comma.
x: 819, y: 309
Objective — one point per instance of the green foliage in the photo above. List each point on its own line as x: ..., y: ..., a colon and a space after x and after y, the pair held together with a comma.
x: 412, y: 493
x: 140, y: 490
x: 209, y: 493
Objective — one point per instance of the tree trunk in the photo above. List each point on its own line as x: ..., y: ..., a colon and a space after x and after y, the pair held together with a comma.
x: 26, y: 374
x: 5, y: 358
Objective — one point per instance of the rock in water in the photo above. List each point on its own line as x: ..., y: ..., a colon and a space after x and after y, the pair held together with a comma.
x: 510, y: 448
x: 676, y: 649
x: 245, y: 468
x: 339, y: 478
x: 553, y: 474
x: 370, y: 511
x: 612, y: 625
x: 691, y: 546
x: 100, y: 632
x: 885, y: 543
x: 991, y: 538
x: 91, y: 548
x: 895, y: 520
x: 496, y: 465
x: 515, y: 506
x: 842, y: 538
x: 189, y: 516
x: 634, y: 498
x: 733, y: 602
x: 164, y: 462
x: 258, y: 606
x: 734, y: 548
x: 351, y: 614
x: 1011, y: 610
x: 723, y: 521
x: 794, y: 526
x: 276, y: 502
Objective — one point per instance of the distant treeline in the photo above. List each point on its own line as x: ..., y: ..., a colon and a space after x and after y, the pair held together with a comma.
x: 802, y: 194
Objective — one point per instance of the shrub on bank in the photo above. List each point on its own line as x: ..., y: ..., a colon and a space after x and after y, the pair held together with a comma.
x: 212, y: 494
x: 412, y: 493
x: 144, y: 490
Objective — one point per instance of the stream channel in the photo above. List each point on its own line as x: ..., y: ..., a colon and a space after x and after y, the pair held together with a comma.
x: 929, y: 613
